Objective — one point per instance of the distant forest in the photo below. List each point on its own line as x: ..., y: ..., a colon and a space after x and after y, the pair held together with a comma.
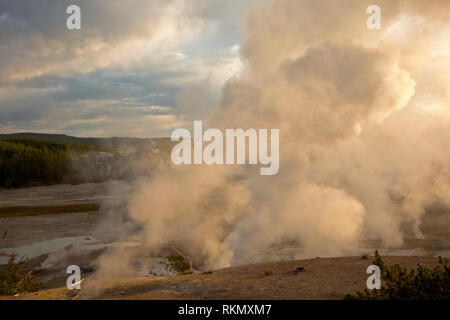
x: 99, y: 144
x: 33, y: 159
x: 28, y: 162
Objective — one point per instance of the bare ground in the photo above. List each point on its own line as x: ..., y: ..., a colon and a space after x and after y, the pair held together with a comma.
x: 323, y: 278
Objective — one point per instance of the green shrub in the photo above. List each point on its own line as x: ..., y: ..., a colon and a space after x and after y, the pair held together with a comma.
x: 208, y: 272
x: 178, y: 264
x: 365, y: 256
x: 14, y: 280
x: 186, y: 272
x: 402, y: 284
x: 268, y: 272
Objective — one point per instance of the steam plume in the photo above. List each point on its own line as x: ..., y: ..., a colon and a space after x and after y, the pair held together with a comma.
x: 364, y: 126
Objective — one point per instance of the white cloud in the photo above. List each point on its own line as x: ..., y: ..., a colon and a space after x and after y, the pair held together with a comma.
x: 132, y: 57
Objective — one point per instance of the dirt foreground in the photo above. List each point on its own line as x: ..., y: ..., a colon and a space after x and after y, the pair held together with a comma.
x: 322, y: 278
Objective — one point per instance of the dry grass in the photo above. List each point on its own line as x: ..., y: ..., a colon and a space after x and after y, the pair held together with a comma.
x: 24, y: 211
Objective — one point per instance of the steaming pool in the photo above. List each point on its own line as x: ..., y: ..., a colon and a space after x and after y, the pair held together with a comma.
x: 56, y: 249
x: 87, y: 244
x: 71, y: 238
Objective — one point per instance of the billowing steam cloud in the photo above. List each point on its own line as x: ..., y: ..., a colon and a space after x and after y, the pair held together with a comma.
x: 364, y: 126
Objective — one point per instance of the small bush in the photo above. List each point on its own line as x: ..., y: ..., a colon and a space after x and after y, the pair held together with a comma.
x: 178, y: 264
x: 401, y: 284
x: 186, y: 272
x: 208, y: 272
x: 365, y: 256
x: 14, y: 280
x: 268, y: 272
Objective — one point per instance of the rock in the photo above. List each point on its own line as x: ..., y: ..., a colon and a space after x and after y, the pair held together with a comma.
x: 299, y: 269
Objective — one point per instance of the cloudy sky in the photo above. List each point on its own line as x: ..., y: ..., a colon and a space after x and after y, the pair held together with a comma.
x: 135, y: 69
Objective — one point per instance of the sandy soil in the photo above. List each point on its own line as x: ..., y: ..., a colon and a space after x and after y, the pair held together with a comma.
x: 55, y: 195
x: 25, y: 230
x: 323, y: 278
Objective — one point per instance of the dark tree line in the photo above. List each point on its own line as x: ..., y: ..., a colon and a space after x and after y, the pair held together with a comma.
x: 28, y: 162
